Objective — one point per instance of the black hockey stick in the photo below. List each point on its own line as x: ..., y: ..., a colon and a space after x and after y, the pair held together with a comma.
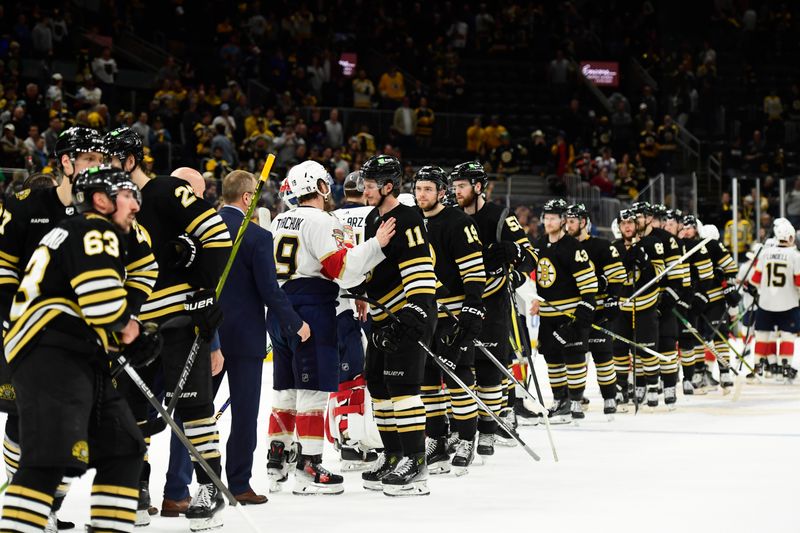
x: 187, y: 367
x: 708, y: 344
x: 176, y: 429
x: 448, y: 367
x: 723, y: 339
x: 503, y: 370
x: 633, y: 327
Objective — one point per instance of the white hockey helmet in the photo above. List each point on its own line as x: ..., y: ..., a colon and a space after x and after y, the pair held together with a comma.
x: 305, y: 177
x: 407, y: 199
x: 286, y: 195
x: 707, y: 231
x: 784, y: 231
x: 615, y: 229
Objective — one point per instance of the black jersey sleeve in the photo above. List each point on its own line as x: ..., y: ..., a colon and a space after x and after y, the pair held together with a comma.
x: 414, y: 261
x: 613, y: 269
x: 12, y: 239
x: 141, y: 267
x: 466, y: 248
x: 513, y: 232
x: 582, y: 270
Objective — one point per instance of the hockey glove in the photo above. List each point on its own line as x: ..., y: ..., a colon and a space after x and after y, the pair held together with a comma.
x: 502, y: 253
x: 516, y: 278
x: 699, y: 303
x: 385, y: 339
x: 732, y: 295
x: 641, y: 259
x: 470, y: 324
x: 752, y: 290
x: 610, y: 308
x: 205, y: 312
x: 413, y: 319
x: 684, y: 308
x: 584, y: 313
x: 602, y: 284
x: 146, y: 347
x: 181, y: 253
x: 567, y: 334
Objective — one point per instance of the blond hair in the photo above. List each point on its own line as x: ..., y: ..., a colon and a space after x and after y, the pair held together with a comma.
x: 236, y: 184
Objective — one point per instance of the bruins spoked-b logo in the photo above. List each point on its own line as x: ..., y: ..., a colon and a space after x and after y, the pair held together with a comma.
x: 80, y: 451
x: 545, y: 273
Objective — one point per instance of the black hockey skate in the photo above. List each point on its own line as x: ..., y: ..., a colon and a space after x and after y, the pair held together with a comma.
x: 503, y: 437
x: 688, y: 388
x: 559, y: 413
x: 409, y: 477
x: 525, y: 417
x: 576, y: 410
x: 279, y: 463
x: 355, y: 458
x: 465, y: 454
x: 725, y: 381
x: 671, y: 396
x: 383, y: 465
x: 436, y: 455
x: 640, y: 394
x: 486, y: 444
x: 452, y: 442
x: 143, y: 506
x: 204, y: 512
x: 758, y: 369
x: 610, y: 408
x: 709, y: 381
x: 789, y: 373
x: 310, y: 477
x: 652, y: 396
x: 585, y: 403
x: 623, y: 396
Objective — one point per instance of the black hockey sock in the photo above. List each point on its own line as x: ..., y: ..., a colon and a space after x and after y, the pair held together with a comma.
x: 115, y: 494
x: 606, y: 375
x: 11, y: 450
x: 409, y: 417
x: 200, y: 427
x: 435, y: 401
x: 465, y: 408
x: 29, y: 499
x: 576, y: 375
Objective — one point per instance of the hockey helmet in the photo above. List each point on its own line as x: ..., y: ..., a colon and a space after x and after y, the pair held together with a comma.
x: 690, y: 220
x: 383, y: 169
x: 471, y: 171
x: 78, y: 140
x: 304, y: 178
x: 784, y: 231
x: 407, y: 199
x: 286, y: 195
x: 577, y: 211
x: 642, y: 208
x: 659, y: 211
x: 626, y: 214
x: 674, y: 214
x: 615, y: 229
x: 104, y: 179
x: 434, y: 174
x: 354, y: 182
x: 709, y: 231
x: 123, y: 142
x: 556, y: 206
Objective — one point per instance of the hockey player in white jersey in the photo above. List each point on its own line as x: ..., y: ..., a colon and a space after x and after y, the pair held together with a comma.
x: 350, y: 422
x: 312, y: 260
x: 776, y: 276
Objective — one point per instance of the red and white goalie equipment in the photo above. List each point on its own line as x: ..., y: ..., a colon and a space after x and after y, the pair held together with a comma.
x: 776, y: 276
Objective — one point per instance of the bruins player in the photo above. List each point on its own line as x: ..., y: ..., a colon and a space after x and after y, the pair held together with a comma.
x: 405, y: 283
x: 70, y: 300
x: 191, y: 244
x: 566, y: 280
x: 507, y: 258
x: 26, y: 218
x: 643, y: 261
x: 610, y: 274
x: 461, y: 278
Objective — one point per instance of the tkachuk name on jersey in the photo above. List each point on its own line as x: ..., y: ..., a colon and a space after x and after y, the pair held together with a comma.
x: 290, y: 223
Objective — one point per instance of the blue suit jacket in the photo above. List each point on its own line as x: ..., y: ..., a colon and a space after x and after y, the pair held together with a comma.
x: 251, y: 285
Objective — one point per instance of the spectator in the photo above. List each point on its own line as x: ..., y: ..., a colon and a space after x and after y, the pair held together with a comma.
x: 51, y: 134
x: 88, y: 95
x: 142, y: 128
x: 363, y: 90
x: 575, y: 123
x: 793, y: 204
x: 38, y: 155
x: 334, y: 133
x: 475, y: 139
x: 606, y: 161
x: 667, y: 141
x: 60, y: 31
x: 316, y: 128
x: 13, y: 149
x: 558, y: 74
x: 33, y: 137
x: 42, y: 36
x: 585, y: 166
x: 602, y: 181
x: 286, y: 145
x: 425, y: 119
x: 405, y: 124
x: 223, y: 142
x: 392, y: 87
x: 539, y: 153
x: 563, y: 155
x: 492, y: 133
x: 35, y: 104
x: 506, y: 158
x: 755, y: 154
x: 621, y: 128
x: 105, y: 68
x: 55, y: 90
x: 226, y: 120
x: 169, y: 71
x: 159, y: 134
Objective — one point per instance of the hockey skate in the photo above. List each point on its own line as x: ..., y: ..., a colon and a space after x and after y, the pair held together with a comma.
x: 354, y: 458
x: 143, y: 506
x: 688, y: 388
x: 279, y: 463
x: 383, y: 465
x: 726, y: 381
x: 576, y: 410
x: 503, y: 437
x: 559, y: 413
x: 525, y: 417
x: 585, y: 403
x: 789, y: 373
x: 640, y: 394
x: 409, y: 477
x: 436, y: 455
x: 486, y: 445
x: 310, y: 477
x: 622, y: 398
x: 652, y: 396
x: 452, y: 442
x: 708, y: 380
x: 609, y: 408
x: 204, y: 512
x: 465, y: 454
x: 671, y: 396
x: 758, y: 369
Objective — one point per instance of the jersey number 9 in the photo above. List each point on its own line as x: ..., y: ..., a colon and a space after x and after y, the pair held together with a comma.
x: 286, y: 256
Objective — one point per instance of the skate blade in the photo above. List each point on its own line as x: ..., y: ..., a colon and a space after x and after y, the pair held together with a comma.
x: 373, y: 485
x: 205, y: 524
x: 671, y: 406
x: 530, y: 422
x: 507, y: 443
x: 355, y: 466
x: 561, y: 419
x: 442, y: 467
x: 610, y: 416
x: 418, y: 488
x: 460, y: 471
x: 142, y: 518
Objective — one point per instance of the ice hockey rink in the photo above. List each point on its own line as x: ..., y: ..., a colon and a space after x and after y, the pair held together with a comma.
x: 713, y: 464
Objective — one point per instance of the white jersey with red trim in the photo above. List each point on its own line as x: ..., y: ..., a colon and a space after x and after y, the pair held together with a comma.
x: 311, y: 243
x: 354, y: 219
x: 777, y: 276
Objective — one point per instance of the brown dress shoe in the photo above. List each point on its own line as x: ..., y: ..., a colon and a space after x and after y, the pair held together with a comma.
x: 250, y: 498
x: 174, y: 508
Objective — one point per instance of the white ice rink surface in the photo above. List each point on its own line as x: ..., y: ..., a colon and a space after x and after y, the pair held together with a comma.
x: 711, y: 465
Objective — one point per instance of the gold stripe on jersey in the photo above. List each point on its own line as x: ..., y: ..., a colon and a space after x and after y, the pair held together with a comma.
x: 705, y: 270
x: 558, y: 307
x: 395, y: 301
x: 642, y: 302
x: 101, y: 296
x: 493, y: 285
x: 209, y: 228
x: 453, y: 303
x: 615, y: 272
x: 9, y: 270
x: 142, y: 274
x: 418, y: 276
x: 33, y: 321
x: 165, y: 301
x: 728, y: 265
x: 586, y: 280
x: 715, y: 294
x: 470, y: 268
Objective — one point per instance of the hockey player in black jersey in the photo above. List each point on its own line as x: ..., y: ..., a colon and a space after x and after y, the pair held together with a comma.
x: 395, y: 363
x: 460, y: 282
x: 508, y: 258
x: 610, y: 274
x: 191, y: 244
x: 566, y: 280
x: 70, y: 302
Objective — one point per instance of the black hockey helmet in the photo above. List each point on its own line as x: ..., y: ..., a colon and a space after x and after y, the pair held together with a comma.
x: 124, y: 141
x: 659, y: 211
x: 354, y: 182
x: 674, y: 214
x: 556, y: 206
x: 434, y: 174
x: 104, y: 179
x: 626, y: 214
x: 471, y: 171
x: 578, y: 210
x: 642, y: 208
x: 78, y: 140
x: 383, y: 169
x: 690, y: 220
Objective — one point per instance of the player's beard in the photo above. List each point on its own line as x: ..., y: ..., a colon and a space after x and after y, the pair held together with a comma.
x: 468, y: 199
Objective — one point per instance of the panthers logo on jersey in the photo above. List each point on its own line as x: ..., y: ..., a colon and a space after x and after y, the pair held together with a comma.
x: 545, y: 273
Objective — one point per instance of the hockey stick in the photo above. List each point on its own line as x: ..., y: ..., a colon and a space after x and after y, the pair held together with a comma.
x: 223, y: 409
x: 187, y: 367
x: 178, y: 432
x: 503, y: 370
x: 708, y: 344
x: 635, y: 351
x: 728, y: 344
x: 666, y: 271
x: 448, y: 368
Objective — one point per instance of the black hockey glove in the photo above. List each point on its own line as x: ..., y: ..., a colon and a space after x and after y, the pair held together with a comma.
x: 602, y: 284
x: 610, y: 308
x: 516, y: 278
x: 206, y: 313
x: 413, y: 319
x: 584, y: 314
x: 145, y: 348
x: 640, y: 258
x: 502, y: 253
x: 683, y: 307
x: 699, y: 303
x: 752, y: 290
x: 386, y: 338
x: 470, y: 324
x: 181, y: 253
x: 732, y: 295
x: 567, y: 334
